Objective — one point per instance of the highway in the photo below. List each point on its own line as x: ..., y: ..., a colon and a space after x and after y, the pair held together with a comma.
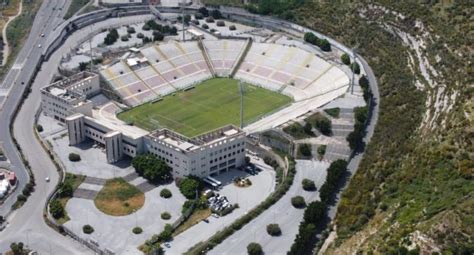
x: 27, y: 224
x: 13, y: 85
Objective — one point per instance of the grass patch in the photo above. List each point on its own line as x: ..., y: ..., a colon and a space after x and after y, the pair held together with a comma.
x: 75, y: 181
x: 210, y: 105
x: 333, y: 112
x: 297, y: 131
x: 75, y: 6
x: 118, y: 198
x: 195, y: 218
x: 18, y: 30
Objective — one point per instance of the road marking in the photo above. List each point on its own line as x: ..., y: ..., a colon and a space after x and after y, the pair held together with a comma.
x: 18, y: 66
x: 4, y: 92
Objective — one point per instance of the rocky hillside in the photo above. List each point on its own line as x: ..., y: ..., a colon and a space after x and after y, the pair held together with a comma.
x: 414, y: 188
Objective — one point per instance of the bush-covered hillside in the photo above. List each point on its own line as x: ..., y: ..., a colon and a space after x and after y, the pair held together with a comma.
x: 414, y: 187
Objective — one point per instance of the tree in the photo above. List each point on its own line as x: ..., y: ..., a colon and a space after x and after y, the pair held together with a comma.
x: 305, y: 149
x: 324, y: 45
x: 216, y: 14
x: 205, y: 26
x: 220, y: 23
x: 232, y: 28
x: 83, y: 66
x: 17, y: 248
x: 189, y: 186
x: 273, y: 229
x: 204, y: 12
x: 140, y: 35
x: 254, y: 249
x: 124, y: 38
x: 346, y: 59
x: 56, y: 209
x: 298, y: 202
x: 323, y: 125
x: 39, y: 128
x: 308, y: 129
x: 65, y: 190
x: 152, y: 168
x: 308, y: 185
x: 355, y: 67
x: 158, y: 36
x: 166, y: 234
x: 315, y: 212
x: 165, y: 193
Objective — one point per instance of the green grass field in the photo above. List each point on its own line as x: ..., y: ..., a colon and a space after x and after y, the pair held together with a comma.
x: 210, y: 105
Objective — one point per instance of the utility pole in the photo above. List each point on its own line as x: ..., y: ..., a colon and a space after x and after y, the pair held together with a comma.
x: 241, y: 89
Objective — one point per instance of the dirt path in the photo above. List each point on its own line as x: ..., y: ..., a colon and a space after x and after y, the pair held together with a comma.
x: 6, y: 48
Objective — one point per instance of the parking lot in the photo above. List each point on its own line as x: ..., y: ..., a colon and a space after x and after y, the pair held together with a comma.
x: 262, y: 185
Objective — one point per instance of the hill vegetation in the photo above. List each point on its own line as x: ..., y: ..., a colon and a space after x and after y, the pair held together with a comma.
x: 413, y: 189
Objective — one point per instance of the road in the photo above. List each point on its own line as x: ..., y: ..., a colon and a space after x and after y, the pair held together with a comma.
x: 27, y: 224
x: 13, y: 85
x: 282, y: 213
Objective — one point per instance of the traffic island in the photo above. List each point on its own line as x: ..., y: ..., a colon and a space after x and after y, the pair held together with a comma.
x: 119, y: 198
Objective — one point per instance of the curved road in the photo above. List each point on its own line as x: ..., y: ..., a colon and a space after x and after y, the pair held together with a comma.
x: 27, y: 224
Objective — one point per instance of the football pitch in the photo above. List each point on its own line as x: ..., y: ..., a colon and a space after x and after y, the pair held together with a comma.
x: 210, y: 105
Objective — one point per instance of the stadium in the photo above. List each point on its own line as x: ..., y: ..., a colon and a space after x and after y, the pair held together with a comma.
x: 192, y: 103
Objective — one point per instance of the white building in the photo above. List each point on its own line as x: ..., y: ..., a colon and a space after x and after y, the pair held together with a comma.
x: 212, y: 153
x: 69, y: 96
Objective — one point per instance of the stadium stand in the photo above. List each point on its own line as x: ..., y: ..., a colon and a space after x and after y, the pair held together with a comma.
x: 161, y: 69
x: 224, y: 54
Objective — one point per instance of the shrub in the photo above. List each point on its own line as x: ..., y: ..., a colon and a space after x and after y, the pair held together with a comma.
x: 165, y: 215
x: 131, y: 30
x: 216, y: 14
x: 146, y: 27
x: 87, y: 229
x: 298, y: 202
x: 254, y: 249
x: 232, y: 28
x: 124, y: 38
x: 187, y: 204
x: 210, y: 20
x: 220, y: 23
x: 39, y: 128
x: 140, y: 35
x: 273, y: 229
x: 205, y: 26
x: 333, y: 112
x: 74, y: 157
x: 56, y: 209
x: 198, y: 16
x: 137, y: 230
x: 345, y: 59
x: 305, y: 149
x: 308, y: 185
x: 165, y: 193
